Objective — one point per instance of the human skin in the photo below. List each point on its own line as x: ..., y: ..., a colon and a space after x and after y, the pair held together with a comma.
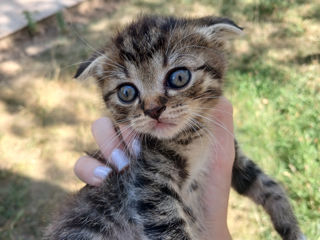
x: 216, y: 196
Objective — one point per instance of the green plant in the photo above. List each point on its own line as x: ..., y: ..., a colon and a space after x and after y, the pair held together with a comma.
x: 32, y: 25
x: 61, y: 22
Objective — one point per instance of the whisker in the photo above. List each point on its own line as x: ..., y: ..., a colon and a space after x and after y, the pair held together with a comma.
x: 218, y: 122
x: 205, y: 97
x: 107, y: 143
x: 214, y: 109
x: 216, y: 144
x: 74, y: 64
x: 123, y: 121
x: 86, y: 43
x: 215, y: 122
x: 194, y: 121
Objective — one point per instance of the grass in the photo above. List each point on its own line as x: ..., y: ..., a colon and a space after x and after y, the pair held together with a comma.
x: 61, y: 22
x: 273, y: 82
x: 32, y: 25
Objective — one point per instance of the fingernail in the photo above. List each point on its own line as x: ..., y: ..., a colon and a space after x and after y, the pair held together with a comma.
x: 136, y: 147
x: 102, y: 172
x: 119, y: 159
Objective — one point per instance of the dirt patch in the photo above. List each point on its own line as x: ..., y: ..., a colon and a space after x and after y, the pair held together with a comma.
x: 17, y: 49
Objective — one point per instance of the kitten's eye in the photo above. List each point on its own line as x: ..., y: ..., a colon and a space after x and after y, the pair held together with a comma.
x: 127, y: 93
x: 179, y: 78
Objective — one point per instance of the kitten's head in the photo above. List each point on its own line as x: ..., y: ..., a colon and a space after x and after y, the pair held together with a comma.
x: 161, y: 75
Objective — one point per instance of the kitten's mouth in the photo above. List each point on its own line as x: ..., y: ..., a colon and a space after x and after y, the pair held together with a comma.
x: 163, y: 128
x: 163, y: 124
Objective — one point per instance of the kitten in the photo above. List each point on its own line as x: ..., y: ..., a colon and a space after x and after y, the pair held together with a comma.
x: 161, y: 75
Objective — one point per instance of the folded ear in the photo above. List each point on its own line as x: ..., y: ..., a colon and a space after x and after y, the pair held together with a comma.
x: 90, y: 68
x: 219, y: 29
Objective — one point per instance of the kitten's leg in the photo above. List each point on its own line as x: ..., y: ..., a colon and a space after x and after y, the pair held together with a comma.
x: 249, y: 180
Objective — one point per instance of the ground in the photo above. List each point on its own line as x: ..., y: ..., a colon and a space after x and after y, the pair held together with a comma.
x: 273, y: 82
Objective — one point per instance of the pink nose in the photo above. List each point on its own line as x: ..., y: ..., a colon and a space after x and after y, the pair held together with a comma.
x: 155, y: 112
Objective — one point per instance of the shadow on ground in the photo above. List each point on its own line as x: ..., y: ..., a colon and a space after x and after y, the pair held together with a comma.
x: 26, y: 205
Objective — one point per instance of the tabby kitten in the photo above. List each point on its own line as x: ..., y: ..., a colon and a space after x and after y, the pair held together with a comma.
x: 161, y: 75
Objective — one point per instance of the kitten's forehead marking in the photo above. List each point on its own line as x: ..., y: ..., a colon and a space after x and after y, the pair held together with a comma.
x: 145, y: 46
x: 147, y: 78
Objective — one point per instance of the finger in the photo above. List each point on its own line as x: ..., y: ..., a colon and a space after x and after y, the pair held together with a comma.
x: 91, y: 171
x: 109, y: 143
x: 224, y: 111
x: 105, y: 136
x: 219, y: 179
x: 131, y: 140
x: 223, y: 132
x: 223, y: 152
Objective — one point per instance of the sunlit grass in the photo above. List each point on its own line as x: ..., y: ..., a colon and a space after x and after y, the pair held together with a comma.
x: 273, y: 82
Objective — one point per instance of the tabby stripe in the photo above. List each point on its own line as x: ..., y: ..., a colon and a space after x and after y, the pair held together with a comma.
x: 209, y: 69
x: 170, y: 192
x: 125, y: 55
x: 106, y: 97
x: 243, y: 178
x: 142, y: 181
x: 165, y: 60
x: 269, y: 183
x: 188, y: 211
x: 144, y: 206
x: 148, y: 167
x: 171, y: 228
x: 179, y: 162
x: 90, y: 221
x: 284, y: 231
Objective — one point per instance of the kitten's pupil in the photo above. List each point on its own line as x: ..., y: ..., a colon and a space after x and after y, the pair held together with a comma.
x: 127, y: 93
x: 179, y: 78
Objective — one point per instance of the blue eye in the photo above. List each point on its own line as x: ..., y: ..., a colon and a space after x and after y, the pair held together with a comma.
x: 127, y: 93
x: 179, y: 78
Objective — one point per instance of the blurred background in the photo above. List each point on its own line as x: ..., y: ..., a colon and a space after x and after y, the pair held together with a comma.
x: 45, y: 115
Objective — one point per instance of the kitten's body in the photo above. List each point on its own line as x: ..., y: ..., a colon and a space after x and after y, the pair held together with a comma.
x: 160, y: 195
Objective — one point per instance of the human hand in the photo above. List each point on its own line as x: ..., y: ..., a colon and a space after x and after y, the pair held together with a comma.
x: 219, y: 182
x: 92, y: 171
x: 216, y: 197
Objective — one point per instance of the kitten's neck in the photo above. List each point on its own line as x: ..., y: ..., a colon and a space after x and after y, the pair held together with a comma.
x: 192, y: 149
x: 197, y: 152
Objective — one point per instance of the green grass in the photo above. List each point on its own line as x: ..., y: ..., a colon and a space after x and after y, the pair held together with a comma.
x: 279, y: 130
x: 61, y: 22
x: 273, y: 82
x: 32, y: 25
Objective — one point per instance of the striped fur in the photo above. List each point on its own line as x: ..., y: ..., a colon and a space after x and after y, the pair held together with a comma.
x: 249, y: 180
x: 160, y: 195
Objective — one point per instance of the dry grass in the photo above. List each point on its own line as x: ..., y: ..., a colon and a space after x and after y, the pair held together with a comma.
x: 46, y: 115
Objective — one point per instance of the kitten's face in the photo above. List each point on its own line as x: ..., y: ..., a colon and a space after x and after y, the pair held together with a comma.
x: 161, y: 76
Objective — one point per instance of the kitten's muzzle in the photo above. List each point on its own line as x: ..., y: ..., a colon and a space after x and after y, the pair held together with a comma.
x: 155, y: 112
